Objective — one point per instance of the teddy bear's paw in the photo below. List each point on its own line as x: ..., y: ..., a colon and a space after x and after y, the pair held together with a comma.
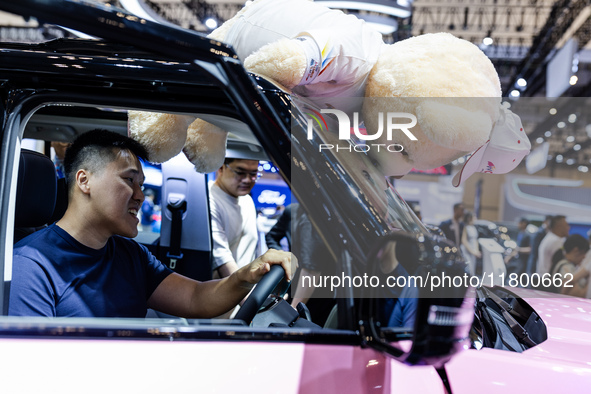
x: 163, y: 135
x: 205, y: 146
x: 283, y: 61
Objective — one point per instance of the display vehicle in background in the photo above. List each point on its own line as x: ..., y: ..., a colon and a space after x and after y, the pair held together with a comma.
x: 489, y: 339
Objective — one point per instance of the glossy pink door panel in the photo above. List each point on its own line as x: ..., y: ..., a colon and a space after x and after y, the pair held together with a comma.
x: 561, y: 364
x: 345, y: 369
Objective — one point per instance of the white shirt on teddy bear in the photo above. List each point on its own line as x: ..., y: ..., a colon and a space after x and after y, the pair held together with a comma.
x: 348, y: 48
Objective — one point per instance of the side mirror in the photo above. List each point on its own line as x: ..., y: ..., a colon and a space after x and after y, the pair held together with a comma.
x: 430, y: 278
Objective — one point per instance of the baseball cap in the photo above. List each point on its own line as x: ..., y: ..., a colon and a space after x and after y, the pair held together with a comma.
x: 507, y: 146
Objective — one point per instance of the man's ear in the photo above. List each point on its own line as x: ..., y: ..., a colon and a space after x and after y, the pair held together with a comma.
x: 83, y: 181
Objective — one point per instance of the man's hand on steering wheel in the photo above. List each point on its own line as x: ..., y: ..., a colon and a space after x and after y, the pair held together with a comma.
x: 252, y: 273
x: 255, y: 271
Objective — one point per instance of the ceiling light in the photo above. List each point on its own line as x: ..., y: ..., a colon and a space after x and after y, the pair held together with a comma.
x: 539, y: 140
x: 559, y: 158
x: 211, y: 23
x: 552, y: 111
x: 561, y: 125
x: 521, y: 82
x: 570, y: 138
x: 577, y: 147
x: 548, y: 134
x: 570, y: 162
x: 573, y: 80
x: 515, y: 93
x: 572, y: 118
x: 583, y: 168
x: 487, y: 41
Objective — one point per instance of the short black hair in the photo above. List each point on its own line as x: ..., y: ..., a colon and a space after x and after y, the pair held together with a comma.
x: 555, y: 219
x: 468, y: 215
x: 576, y: 241
x: 228, y: 160
x: 95, y: 149
x: 523, y: 220
x: 458, y: 204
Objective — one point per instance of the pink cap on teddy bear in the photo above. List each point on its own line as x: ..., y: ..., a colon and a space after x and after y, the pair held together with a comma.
x: 507, y: 146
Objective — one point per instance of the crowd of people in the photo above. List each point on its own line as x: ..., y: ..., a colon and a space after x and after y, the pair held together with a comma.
x: 550, y: 252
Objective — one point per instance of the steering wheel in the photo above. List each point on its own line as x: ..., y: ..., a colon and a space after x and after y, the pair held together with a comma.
x: 260, y: 293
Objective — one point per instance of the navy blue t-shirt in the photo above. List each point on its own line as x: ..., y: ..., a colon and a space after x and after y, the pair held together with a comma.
x: 55, y: 275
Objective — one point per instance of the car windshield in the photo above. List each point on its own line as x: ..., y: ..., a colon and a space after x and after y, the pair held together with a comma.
x: 346, y: 173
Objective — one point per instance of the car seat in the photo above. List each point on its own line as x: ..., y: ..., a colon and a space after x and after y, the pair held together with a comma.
x: 40, y: 196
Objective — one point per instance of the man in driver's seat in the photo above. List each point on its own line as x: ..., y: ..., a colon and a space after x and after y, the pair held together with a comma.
x: 85, y: 265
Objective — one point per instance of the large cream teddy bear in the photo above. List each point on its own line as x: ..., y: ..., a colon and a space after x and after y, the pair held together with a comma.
x: 326, y: 55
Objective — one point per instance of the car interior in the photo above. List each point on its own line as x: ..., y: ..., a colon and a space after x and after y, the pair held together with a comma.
x: 183, y: 242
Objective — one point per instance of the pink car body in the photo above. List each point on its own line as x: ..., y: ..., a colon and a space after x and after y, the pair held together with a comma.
x: 38, y: 359
x: 562, y: 363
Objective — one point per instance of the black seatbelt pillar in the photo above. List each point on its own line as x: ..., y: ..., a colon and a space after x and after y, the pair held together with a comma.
x: 177, y: 208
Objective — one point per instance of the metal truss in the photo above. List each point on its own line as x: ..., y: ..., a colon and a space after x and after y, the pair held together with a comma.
x: 191, y: 14
x: 533, y: 65
x: 524, y: 32
x: 509, y: 23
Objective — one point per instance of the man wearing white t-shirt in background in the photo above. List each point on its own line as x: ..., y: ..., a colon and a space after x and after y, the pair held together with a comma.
x: 558, y: 231
x: 233, y: 216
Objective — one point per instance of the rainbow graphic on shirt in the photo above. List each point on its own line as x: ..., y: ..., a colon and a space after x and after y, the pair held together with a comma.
x: 327, y: 57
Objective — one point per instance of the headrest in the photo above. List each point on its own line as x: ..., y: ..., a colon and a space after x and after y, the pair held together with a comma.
x: 36, y: 190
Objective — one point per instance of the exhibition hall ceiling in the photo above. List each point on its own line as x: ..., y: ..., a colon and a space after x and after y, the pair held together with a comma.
x: 523, y: 38
x: 519, y: 36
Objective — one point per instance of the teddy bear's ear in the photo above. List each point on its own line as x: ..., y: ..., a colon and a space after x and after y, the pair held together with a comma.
x: 460, y: 127
x: 205, y: 146
x: 163, y: 135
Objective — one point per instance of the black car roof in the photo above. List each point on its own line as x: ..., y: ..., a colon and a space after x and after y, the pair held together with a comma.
x: 145, y: 65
